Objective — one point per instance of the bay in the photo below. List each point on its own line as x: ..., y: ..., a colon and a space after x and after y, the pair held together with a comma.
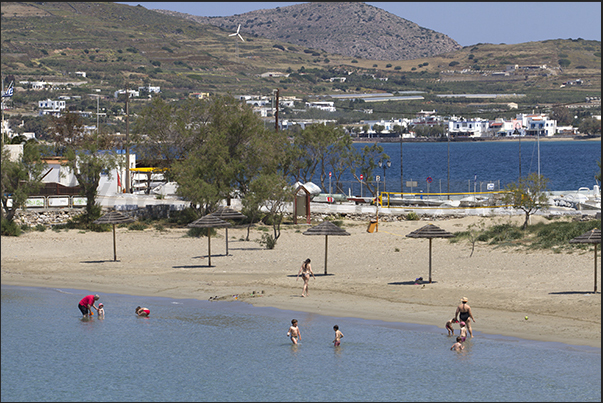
x: 568, y: 165
x: 231, y: 351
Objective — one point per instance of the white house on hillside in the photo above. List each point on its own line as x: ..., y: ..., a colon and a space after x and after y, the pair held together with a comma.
x: 328, y: 106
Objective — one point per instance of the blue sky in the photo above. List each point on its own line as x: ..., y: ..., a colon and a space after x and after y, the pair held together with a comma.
x: 467, y: 23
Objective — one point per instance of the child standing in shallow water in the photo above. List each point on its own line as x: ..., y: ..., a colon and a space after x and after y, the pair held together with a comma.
x: 449, y: 326
x: 294, y: 333
x: 463, y: 332
x: 338, y: 336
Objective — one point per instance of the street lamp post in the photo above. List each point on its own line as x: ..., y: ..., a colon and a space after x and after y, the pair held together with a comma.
x: 518, y: 134
x: 385, y: 165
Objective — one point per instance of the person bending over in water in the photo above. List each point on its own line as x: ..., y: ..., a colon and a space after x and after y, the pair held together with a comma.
x: 338, y: 336
x: 294, y: 333
x: 305, y: 271
x: 463, y: 312
x: 458, y: 346
x: 449, y: 326
x: 142, y: 311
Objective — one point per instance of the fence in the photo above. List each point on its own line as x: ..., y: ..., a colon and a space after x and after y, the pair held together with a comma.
x: 355, y: 188
x: 59, y: 202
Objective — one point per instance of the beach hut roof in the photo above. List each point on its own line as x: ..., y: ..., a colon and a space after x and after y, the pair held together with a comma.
x: 326, y: 228
x: 114, y: 217
x: 209, y: 221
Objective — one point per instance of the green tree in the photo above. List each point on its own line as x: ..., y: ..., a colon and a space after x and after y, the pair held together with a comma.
x: 590, y: 126
x: 21, y: 178
x: 562, y: 115
x: 228, y: 147
x: 364, y: 162
x: 272, y: 192
x: 529, y: 194
x: 87, y: 155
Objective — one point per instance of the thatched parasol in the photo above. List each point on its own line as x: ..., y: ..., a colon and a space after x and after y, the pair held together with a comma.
x: 593, y: 236
x: 326, y: 228
x: 430, y: 231
x: 226, y: 213
x: 209, y: 221
x: 114, y: 217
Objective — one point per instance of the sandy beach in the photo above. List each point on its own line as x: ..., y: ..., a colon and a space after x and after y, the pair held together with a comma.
x: 370, y: 275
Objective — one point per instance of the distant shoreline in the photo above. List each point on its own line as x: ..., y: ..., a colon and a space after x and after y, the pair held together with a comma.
x: 473, y: 139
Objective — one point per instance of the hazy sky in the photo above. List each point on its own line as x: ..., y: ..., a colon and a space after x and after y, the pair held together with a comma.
x: 467, y: 23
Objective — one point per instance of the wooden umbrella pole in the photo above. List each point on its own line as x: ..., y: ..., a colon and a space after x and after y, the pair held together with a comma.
x: 114, y: 249
x: 226, y: 241
x: 209, y: 245
x: 430, y: 260
x: 326, y: 251
x: 595, y: 268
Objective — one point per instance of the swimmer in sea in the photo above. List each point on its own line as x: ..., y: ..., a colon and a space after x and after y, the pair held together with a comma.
x: 338, y: 336
x: 458, y: 346
x: 294, y: 333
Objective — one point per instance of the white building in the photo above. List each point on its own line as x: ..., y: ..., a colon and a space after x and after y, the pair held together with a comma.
x: 538, y: 124
x: 80, y: 74
x: 131, y: 93
x: 150, y: 90
x: 388, y: 126
x: 51, y: 105
x: 468, y: 128
x: 328, y: 106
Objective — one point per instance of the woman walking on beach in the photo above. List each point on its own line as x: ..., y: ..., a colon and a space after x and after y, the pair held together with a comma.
x: 305, y: 271
x: 463, y: 312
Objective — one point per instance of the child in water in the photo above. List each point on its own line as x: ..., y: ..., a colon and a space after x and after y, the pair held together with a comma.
x: 294, y: 333
x: 463, y: 332
x: 458, y: 346
x: 449, y: 326
x: 338, y: 336
x: 142, y: 311
x: 101, y: 310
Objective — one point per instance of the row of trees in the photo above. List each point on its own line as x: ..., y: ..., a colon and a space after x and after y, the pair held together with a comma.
x: 215, y: 149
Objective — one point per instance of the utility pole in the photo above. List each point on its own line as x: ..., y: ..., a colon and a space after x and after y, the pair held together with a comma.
x: 127, y: 142
x: 276, y: 113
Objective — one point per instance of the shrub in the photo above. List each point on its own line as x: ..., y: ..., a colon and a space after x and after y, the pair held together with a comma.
x: 388, y: 65
x: 268, y: 241
x: 10, y: 228
x: 455, y: 63
x: 354, y: 61
x: 159, y: 227
x: 197, y: 232
x: 412, y: 216
x: 137, y: 226
x: 40, y: 228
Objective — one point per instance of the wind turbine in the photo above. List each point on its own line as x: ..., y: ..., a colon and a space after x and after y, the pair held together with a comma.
x: 240, y: 37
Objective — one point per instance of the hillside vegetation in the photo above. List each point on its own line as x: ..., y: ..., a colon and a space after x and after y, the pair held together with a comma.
x: 117, y: 44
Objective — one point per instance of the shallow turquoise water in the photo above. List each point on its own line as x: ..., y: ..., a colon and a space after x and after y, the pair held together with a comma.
x: 230, y: 351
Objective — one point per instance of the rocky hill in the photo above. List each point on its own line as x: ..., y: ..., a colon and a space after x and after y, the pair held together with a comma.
x: 351, y: 29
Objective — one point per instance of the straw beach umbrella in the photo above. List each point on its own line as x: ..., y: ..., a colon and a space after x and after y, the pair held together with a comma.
x: 114, y: 217
x: 326, y: 228
x: 209, y: 221
x: 226, y: 213
x: 430, y: 231
x: 593, y: 236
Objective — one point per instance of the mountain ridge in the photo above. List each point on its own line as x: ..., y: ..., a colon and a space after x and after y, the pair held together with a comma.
x: 366, y: 31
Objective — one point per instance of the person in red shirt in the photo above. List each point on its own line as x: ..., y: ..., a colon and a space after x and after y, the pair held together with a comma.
x: 142, y: 311
x: 86, y: 303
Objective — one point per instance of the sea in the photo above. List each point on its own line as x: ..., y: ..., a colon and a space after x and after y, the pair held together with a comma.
x: 472, y: 165
x: 192, y: 350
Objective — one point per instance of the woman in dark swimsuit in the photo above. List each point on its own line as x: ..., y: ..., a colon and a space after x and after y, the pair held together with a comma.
x: 463, y: 313
x: 305, y: 271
